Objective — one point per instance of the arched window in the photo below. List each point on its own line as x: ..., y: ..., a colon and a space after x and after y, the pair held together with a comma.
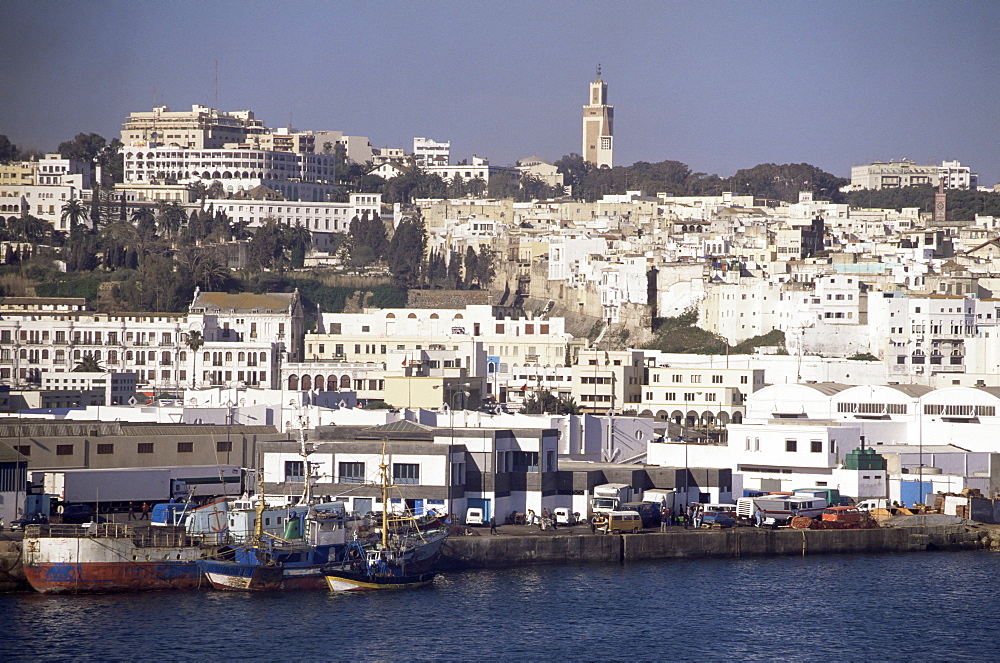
x: 331, y: 383
x: 293, y: 382
x: 319, y: 382
x: 345, y: 382
x: 229, y: 356
x: 241, y: 357
x: 306, y: 383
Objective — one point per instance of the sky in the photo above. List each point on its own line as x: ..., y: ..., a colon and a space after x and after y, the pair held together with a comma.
x: 719, y: 85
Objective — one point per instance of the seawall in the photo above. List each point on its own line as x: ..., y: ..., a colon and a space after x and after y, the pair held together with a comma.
x: 476, y: 552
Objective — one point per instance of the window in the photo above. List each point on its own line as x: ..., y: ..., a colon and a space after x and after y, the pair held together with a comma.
x: 406, y: 473
x: 294, y: 470
x: 63, y: 450
x: 716, y: 379
x: 352, y: 472
x: 791, y: 445
x: 105, y: 448
x: 185, y: 447
x: 743, y: 379
x: 145, y: 447
x: 816, y: 446
x: 689, y: 395
x: 524, y: 461
x: 224, y: 445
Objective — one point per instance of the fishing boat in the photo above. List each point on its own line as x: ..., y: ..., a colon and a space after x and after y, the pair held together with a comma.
x: 404, y: 560
x: 314, y: 535
x: 114, y: 557
x: 270, y: 562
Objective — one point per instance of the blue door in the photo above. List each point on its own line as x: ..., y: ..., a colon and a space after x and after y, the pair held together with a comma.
x: 914, y: 492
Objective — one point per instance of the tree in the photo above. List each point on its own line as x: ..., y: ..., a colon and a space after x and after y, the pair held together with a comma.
x: 367, y: 242
x: 73, y: 212
x: 574, y: 171
x: 406, y: 251
x: 211, y: 271
x: 194, y: 341
x: 469, y: 268
x: 504, y: 184
x: 171, y: 219
x: 83, y: 147
x: 88, y: 364
x: 8, y: 150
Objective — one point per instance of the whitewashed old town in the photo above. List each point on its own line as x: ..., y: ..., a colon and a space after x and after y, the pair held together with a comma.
x: 207, y: 305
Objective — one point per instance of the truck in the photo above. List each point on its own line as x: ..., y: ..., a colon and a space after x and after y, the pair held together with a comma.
x: 661, y: 497
x: 114, y: 488
x: 775, y: 510
x: 831, y: 495
x: 609, y: 496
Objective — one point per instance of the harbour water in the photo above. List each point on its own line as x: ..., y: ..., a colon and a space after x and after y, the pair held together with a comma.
x: 922, y: 606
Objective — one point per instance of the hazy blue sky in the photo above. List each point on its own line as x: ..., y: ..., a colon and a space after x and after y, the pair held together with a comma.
x: 717, y: 85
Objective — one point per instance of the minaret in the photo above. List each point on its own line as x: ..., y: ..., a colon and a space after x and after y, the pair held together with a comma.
x: 598, y: 125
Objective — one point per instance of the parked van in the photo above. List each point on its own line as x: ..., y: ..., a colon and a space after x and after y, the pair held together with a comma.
x: 474, y: 516
x: 564, y: 516
x: 622, y: 521
x: 648, y: 511
x: 868, y: 505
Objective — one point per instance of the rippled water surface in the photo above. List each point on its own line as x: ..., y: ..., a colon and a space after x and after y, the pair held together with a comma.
x: 930, y: 606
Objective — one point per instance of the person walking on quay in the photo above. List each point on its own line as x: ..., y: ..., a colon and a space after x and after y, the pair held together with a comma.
x: 532, y: 518
x: 145, y: 511
x: 493, y: 525
x: 131, y: 510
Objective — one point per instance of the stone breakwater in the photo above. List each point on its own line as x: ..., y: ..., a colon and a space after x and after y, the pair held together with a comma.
x: 482, y: 552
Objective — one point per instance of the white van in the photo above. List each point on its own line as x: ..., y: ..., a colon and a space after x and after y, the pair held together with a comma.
x: 474, y: 516
x: 874, y: 503
x: 564, y: 515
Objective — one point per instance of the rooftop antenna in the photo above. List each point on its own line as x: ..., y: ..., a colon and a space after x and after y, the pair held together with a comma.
x: 154, y: 96
x: 598, y: 69
x: 215, y: 83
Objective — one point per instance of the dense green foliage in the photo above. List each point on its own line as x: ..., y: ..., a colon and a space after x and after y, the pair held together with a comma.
x: 545, y: 403
x: 680, y: 335
x: 770, y: 181
x: 963, y: 205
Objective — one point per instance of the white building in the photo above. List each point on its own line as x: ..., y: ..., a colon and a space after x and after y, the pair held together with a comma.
x: 296, y: 175
x: 201, y: 128
x: 896, y: 174
x: 428, y: 152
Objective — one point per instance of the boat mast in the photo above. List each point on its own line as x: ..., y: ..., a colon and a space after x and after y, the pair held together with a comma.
x: 383, y: 469
x: 258, y: 528
x: 304, y: 452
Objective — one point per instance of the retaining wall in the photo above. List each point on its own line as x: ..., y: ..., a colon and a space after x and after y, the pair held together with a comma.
x: 499, y: 552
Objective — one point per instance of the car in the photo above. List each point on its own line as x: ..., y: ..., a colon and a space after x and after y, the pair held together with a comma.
x: 30, y: 519
x: 76, y: 514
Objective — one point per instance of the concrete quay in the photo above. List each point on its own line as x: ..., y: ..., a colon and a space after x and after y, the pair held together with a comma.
x: 578, y: 546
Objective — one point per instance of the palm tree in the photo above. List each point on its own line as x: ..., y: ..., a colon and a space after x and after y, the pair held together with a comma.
x: 171, y: 219
x: 88, y: 364
x: 194, y: 341
x: 211, y: 271
x: 73, y: 211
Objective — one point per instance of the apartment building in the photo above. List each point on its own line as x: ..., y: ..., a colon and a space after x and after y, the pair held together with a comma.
x: 428, y: 152
x: 323, y: 220
x: 296, y: 175
x: 201, y: 128
x: 245, y: 339
x: 608, y: 380
x: 897, y: 174
x: 697, y: 397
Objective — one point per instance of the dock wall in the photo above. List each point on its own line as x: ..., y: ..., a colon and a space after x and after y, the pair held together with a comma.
x: 497, y: 552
